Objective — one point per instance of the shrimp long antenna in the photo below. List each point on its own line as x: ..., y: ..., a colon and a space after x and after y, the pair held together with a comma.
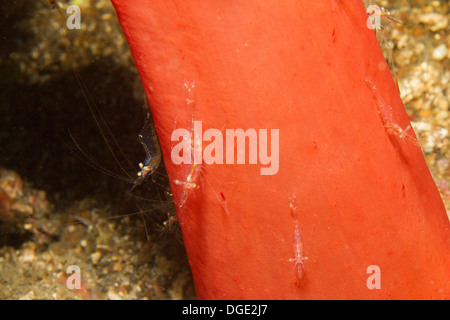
x: 94, y: 164
x: 93, y: 106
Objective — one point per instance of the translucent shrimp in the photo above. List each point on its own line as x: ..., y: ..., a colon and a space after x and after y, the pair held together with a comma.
x: 297, y: 246
x: 192, y: 181
x: 380, y: 21
x: 387, y: 117
x: 149, y: 140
